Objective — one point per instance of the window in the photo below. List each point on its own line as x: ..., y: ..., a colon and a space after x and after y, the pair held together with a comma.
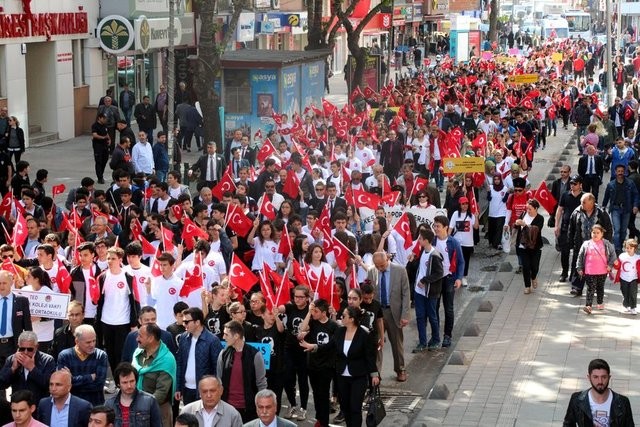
x: 237, y: 92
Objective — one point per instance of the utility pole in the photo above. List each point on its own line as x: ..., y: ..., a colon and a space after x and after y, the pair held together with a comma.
x: 171, y: 80
x: 610, y: 88
x: 390, y: 38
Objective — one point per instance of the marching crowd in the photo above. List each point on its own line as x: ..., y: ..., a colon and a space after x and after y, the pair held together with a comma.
x: 294, y: 255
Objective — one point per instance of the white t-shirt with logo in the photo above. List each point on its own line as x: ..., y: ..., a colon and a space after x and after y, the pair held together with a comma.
x: 140, y: 275
x: 116, y: 309
x: 166, y: 293
x: 601, y: 412
x: 463, y: 224
x: 441, y: 246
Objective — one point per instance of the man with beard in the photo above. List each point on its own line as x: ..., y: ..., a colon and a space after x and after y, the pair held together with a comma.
x: 599, y: 405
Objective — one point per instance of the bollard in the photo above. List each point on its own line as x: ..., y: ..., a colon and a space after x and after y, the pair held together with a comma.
x: 496, y: 286
x: 439, y: 392
x: 485, y: 307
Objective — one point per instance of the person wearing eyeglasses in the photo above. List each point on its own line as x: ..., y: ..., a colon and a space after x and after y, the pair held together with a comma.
x: 516, y: 206
x: 28, y: 368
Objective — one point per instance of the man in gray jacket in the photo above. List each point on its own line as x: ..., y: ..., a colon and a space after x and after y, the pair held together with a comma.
x: 143, y: 407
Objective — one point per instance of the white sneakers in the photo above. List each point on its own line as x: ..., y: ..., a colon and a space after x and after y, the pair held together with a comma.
x: 628, y: 310
x: 296, y: 413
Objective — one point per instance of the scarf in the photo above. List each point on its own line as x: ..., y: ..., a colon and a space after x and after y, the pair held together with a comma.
x: 162, y: 362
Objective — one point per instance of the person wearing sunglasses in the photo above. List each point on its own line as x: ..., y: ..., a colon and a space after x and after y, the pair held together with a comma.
x: 27, y: 359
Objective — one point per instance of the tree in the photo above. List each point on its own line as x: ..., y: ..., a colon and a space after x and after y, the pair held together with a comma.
x: 493, y: 21
x: 209, y: 65
x: 322, y: 35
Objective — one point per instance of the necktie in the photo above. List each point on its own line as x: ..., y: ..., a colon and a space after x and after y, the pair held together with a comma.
x: 237, y: 166
x: 332, y: 200
x: 154, y: 206
x: 244, y: 152
x: 383, y: 289
x: 211, y: 172
x: 591, y: 172
x: 3, y: 323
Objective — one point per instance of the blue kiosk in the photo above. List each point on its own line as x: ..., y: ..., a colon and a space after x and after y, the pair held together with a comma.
x: 256, y: 83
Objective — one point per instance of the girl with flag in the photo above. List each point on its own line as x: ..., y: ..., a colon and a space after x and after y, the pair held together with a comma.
x: 38, y: 281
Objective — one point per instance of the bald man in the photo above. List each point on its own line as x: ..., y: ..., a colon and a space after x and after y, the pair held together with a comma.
x: 62, y: 409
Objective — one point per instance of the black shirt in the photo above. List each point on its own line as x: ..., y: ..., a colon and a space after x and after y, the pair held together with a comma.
x: 569, y: 203
x: 372, y: 312
x: 216, y: 319
x: 276, y: 339
x: 321, y: 333
x: 292, y: 320
x: 101, y: 130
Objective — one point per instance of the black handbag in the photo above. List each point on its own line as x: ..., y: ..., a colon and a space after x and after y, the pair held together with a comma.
x: 375, y: 407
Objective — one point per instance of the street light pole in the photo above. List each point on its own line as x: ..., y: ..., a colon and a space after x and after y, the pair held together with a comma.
x: 171, y: 81
x: 610, y: 88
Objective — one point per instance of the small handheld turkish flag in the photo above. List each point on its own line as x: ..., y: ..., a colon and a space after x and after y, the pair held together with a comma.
x: 544, y: 196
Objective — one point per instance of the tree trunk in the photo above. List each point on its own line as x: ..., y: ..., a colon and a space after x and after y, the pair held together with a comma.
x: 209, y: 67
x: 359, y: 54
x: 493, y: 21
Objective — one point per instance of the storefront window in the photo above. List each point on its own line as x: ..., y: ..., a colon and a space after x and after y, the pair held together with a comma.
x: 237, y: 92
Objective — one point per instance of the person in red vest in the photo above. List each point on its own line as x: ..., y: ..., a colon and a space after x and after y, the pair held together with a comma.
x: 578, y: 67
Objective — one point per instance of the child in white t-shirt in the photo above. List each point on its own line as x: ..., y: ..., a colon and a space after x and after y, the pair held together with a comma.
x: 628, y: 266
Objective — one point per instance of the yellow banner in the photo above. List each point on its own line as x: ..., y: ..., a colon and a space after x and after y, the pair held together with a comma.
x: 505, y: 59
x: 462, y: 164
x: 520, y: 79
x: 556, y: 56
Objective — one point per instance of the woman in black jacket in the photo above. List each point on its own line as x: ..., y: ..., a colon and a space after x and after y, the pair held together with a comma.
x: 355, y: 364
x: 14, y: 136
x: 529, y: 243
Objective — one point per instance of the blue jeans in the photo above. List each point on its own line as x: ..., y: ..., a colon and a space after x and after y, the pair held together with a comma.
x: 127, y: 116
x: 161, y: 175
x: 620, y: 222
x: 448, y: 292
x: 426, y: 310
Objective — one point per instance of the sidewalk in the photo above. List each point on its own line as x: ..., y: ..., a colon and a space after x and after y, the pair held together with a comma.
x: 532, y: 352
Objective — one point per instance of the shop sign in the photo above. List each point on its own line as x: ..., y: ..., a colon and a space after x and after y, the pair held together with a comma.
x: 409, y: 13
x: 385, y: 18
x: 153, y: 33
x: 441, y: 6
x: 20, y: 25
x: 245, y: 28
x: 262, y: 4
x: 417, y: 12
x: 115, y: 34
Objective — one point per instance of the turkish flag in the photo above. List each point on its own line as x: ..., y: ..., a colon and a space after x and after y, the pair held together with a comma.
x: 386, y: 186
x: 167, y: 239
x: 224, y: 185
x: 19, y: 207
x: 8, y: 265
x: 346, y: 174
x: 266, y: 150
x: 527, y: 103
x: 326, y: 290
x: 240, y: 276
x: 5, y: 206
x: 94, y: 289
x: 300, y: 274
x: 266, y: 276
x: 190, y: 230
x: 391, y: 198
x: 544, y: 196
x: 284, y: 247
x: 282, y: 291
x: 193, y: 279
x: 276, y: 118
x: 473, y: 203
x: 266, y: 208
x: 177, y: 210
x: 238, y: 221
x: 323, y: 223
x: 155, y: 265
x: 353, y: 277
x: 369, y: 200
x: 136, y: 228
x: 480, y: 141
x: 369, y: 93
x: 341, y: 253
x: 419, y: 184
x: 57, y: 189
x: 291, y: 185
x: 19, y: 235
x: 357, y: 93
x: 402, y: 227
x: 147, y: 248
x: 63, y: 278
x: 328, y: 107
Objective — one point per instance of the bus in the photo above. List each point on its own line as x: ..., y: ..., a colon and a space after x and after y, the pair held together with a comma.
x: 579, y: 24
x: 554, y: 27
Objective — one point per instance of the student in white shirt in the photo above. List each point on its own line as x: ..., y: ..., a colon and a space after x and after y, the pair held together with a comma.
x: 165, y: 290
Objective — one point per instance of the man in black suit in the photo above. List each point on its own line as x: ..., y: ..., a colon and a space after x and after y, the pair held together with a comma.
x: 333, y: 201
x: 237, y: 162
x: 28, y: 360
x: 14, y: 317
x: 616, y: 115
x: 560, y: 186
x: 391, y: 155
x: 210, y: 165
x: 247, y: 153
x: 591, y: 169
x: 60, y: 389
x: 470, y: 123
x: 444, y: 123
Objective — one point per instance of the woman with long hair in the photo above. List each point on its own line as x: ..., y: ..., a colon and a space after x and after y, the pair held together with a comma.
x: 461, y: 226
x: 14, y: 137
x: 316, y: 263
x: 264, y: 244
x: 530, y: 253
x: 37, y: 280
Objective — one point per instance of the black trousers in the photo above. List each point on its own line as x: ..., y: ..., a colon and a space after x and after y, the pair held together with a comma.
x: 114, y: 337
x: 296, y: 363
x: 275, y: 383
x: 530, y: 264
x: 320, y: 380
x: 247, y: 414
x: 351, y: 391
x: 467, y: 251
x: 189, y: 395
x: 101, y: 157
x: 591, y: 184
x: 494, y: 231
